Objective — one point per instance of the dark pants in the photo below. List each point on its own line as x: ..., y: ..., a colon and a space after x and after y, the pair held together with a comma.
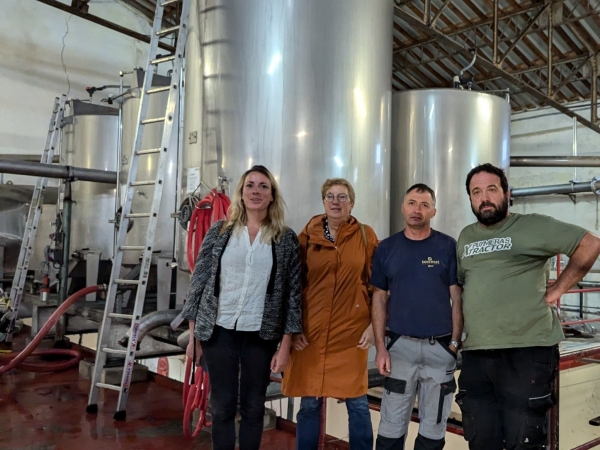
x: 309, y: 423
x: 505, y: 396
x: 227, y: 353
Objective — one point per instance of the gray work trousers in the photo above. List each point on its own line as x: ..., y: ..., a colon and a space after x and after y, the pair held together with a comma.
x: 423, y: 367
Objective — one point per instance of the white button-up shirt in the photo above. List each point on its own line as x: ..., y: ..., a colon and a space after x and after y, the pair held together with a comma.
x: 245, y: 272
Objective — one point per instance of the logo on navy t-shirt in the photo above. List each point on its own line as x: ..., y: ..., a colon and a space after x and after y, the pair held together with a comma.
x: 430, y: 262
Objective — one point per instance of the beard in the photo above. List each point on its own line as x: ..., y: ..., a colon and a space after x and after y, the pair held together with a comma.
x: 492, y: 217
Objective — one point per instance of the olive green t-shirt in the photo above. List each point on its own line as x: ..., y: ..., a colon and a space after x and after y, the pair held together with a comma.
x: 504, y: 270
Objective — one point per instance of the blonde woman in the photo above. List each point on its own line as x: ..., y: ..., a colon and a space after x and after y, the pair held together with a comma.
x: 244, y: 305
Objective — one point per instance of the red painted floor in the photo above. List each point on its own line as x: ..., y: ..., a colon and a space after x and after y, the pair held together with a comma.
x: 47, y: 412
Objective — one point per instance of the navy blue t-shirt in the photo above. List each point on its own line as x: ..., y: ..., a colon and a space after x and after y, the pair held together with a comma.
x: 418, y: 275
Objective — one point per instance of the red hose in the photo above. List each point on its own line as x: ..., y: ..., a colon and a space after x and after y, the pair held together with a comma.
x: 195, y: 396
x: 51, y: 366
x: 16, y: 360
x: 210, y: 209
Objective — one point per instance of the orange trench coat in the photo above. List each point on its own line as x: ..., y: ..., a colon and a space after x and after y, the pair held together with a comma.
x: 336, y: 310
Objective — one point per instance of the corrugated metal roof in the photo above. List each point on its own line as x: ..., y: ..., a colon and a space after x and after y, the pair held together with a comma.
x: 420, y: 60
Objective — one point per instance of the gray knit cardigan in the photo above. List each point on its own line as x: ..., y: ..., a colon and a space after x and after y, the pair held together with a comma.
x: 282, y: 312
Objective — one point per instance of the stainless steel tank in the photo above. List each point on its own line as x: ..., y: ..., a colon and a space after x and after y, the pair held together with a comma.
x: 302, y: 87
x: 89, y: 140
x: 438, y: 136
x: 142, y: 200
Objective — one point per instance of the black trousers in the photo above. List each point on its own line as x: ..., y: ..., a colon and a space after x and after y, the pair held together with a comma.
x: 505, y: 396
x: 238, y: 360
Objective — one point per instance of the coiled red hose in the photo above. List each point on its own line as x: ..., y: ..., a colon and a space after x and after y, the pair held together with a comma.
x: 17, y: 359
x: 195, y: 396
x: 210, y: 209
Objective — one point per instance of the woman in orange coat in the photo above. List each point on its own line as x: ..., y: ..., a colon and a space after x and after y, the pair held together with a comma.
x: 330, y: 358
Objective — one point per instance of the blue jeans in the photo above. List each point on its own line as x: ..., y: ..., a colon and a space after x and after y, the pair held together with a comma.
x: 309, y: 423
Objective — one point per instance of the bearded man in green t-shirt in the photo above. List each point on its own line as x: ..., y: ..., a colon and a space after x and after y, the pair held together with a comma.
x: 512, y: 331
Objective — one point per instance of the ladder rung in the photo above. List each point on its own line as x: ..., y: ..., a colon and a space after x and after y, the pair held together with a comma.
x: 163, y: 60
x: 158, y: 89
x: 114, y: 351
x: 122, y: 281
x: 132, y: 247
x: 120, y: 316
x: 169, y: 2
x: 143, y: 183
x: 155, y: 120
x: 137, y: 215
x: 166, y: 31
x: 108, y: 386
x: 150, y: 151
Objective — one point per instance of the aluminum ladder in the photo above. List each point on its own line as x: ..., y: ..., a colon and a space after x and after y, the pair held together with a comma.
x: 148, y: 217
x: 33, y: 216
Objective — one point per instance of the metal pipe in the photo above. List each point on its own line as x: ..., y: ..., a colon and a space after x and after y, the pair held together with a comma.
x: 587, y: 290
x: 575, y: 146
x: 555, y: 161
x: 150, y: 322
x: 594, y: 82
x: 588, y: 284
x: 591, y: 444
x: 470, y: 64
x: 571, y: 188
x: 66, y: 251
x: 57, y: 171
x: 555, y: 412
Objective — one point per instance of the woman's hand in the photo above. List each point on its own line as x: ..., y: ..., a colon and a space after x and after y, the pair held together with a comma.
x: 281, y: 357
x: 299, y: 342
x: 367, y: 339
x: 189, y: 351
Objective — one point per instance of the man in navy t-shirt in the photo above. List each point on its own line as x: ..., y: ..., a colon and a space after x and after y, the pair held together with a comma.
x: 417, y: 266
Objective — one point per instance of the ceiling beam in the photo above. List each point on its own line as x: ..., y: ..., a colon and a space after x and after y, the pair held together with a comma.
x: 523, y: 32
x: 104, y: 23
x: 472, y: 26
x: 490, y: 67
x: 570, y: 77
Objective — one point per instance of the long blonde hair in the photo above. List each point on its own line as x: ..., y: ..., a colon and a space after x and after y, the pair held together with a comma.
x: 273, y: 225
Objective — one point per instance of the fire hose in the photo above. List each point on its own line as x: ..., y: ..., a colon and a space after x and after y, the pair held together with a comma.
x: 16, y: 360
x: 210, y: 209
x: 196, y: 386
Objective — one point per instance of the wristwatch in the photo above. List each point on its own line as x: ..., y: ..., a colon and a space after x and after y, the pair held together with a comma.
x: 455, y: 343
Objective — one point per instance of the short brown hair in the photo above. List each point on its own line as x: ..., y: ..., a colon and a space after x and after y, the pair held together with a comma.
x: 330, y: 182
x: 421, y: 188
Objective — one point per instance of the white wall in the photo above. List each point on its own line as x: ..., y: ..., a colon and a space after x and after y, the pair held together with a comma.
x: 548, y: 133
x: 32, y: 73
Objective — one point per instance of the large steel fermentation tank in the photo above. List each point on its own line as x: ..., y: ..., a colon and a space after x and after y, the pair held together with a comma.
x: 438, y: 136
x: 89, y: 140
x: 142, y: 200
x: 302, y: 87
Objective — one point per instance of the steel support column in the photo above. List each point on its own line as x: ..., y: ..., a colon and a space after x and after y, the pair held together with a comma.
x: 550, y: 38
x: 495, y: 19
